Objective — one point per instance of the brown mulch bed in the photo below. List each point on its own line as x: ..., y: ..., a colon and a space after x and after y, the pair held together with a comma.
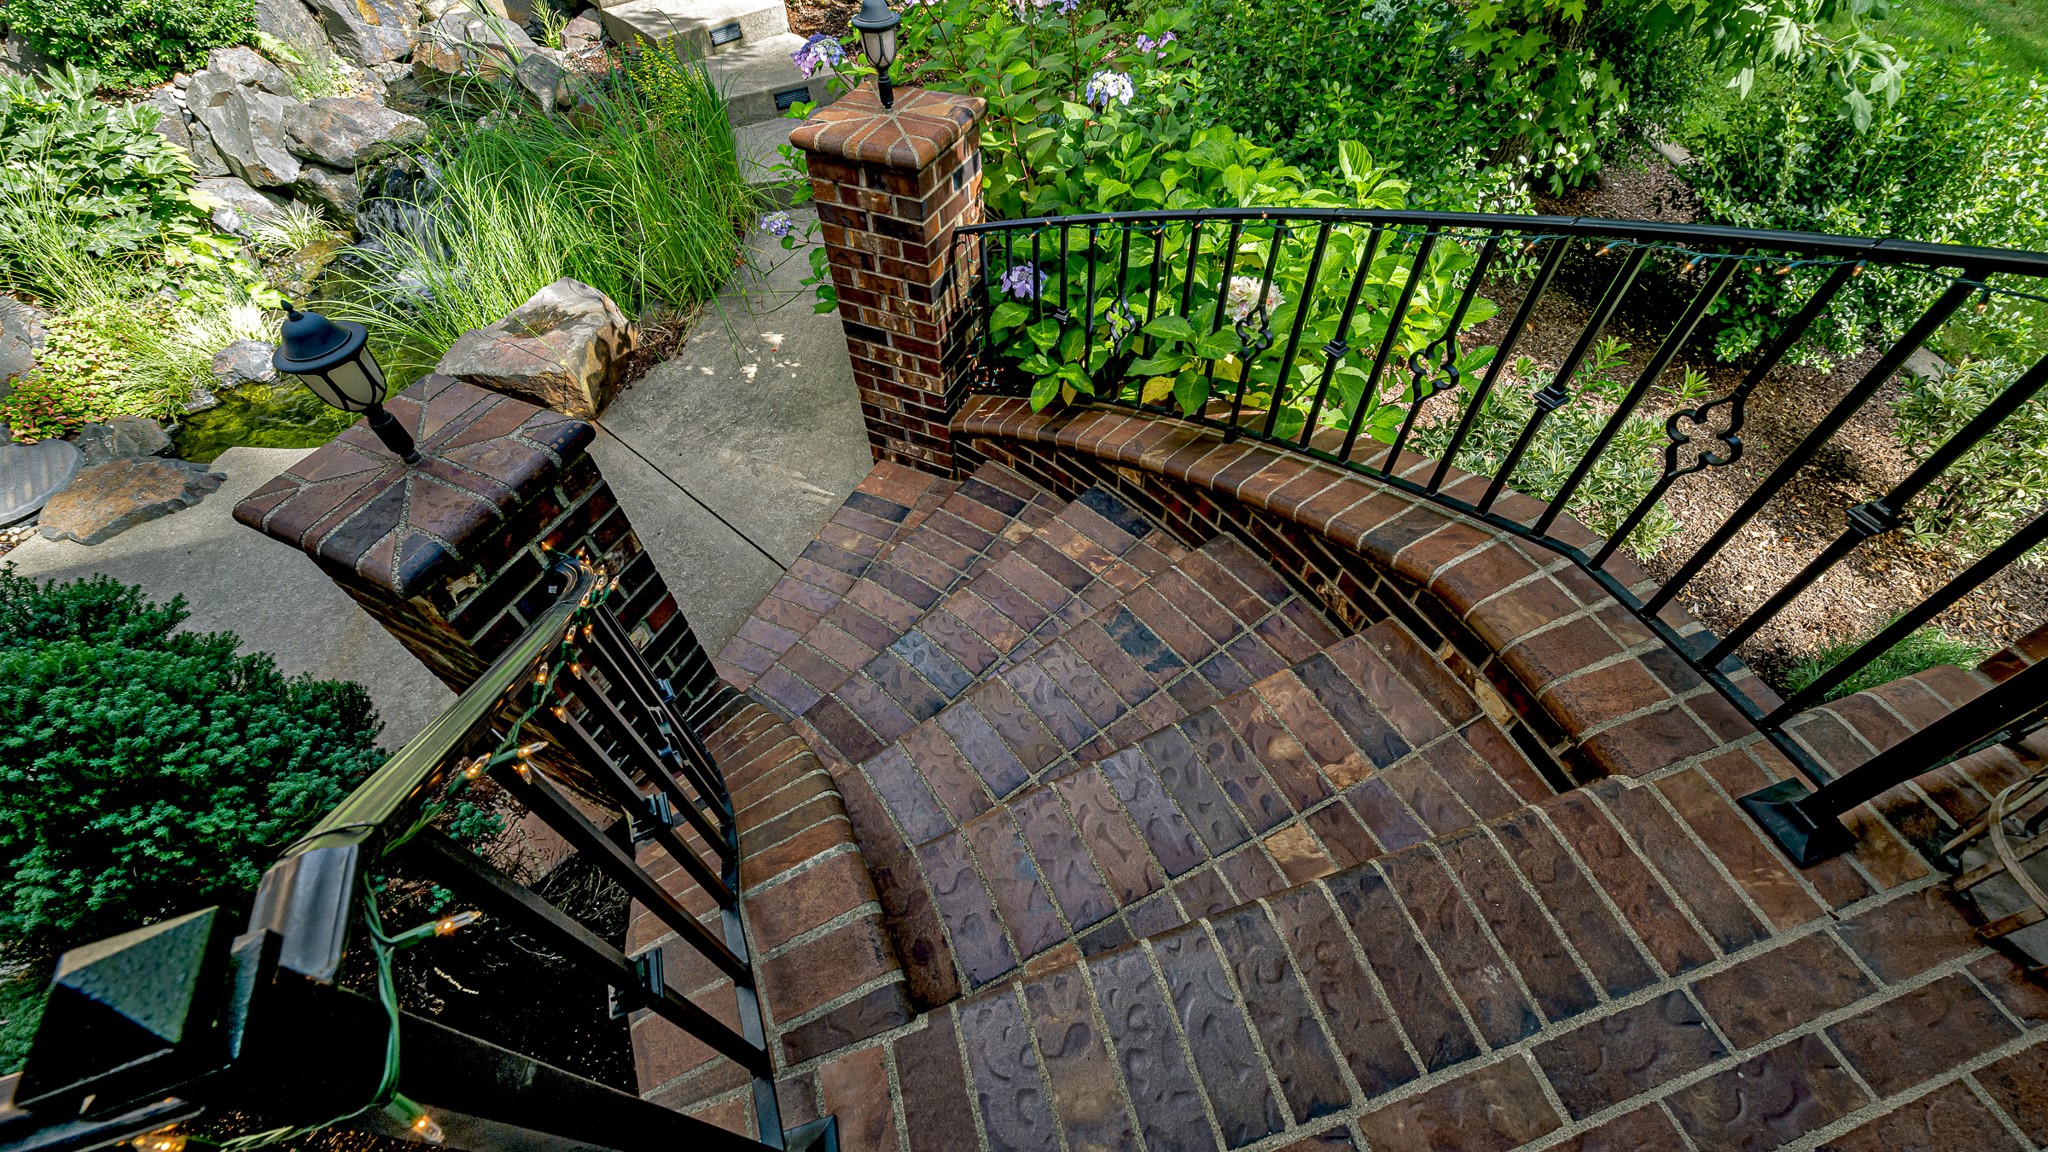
x: 1879, y: 580
x: 810, y: 17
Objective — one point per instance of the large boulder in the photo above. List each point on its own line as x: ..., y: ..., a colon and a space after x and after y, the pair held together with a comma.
x: 237, y: 208
x: 346, y: 133
x: 370, y: 31
x: 330, y: 188
x: 291, y: 22
x: 21, y: 336
x: 247, y: 125
x: 546, y: 80
x: 243, y: 363
x: 122, y: 437
x: 106, y: 500
x: 245, y: 67
x: 565, y: 348
x: 170, y: 117
x: 583, y: 35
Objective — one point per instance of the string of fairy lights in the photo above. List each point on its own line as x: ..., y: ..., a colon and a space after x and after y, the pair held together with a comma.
x: 560, y: 659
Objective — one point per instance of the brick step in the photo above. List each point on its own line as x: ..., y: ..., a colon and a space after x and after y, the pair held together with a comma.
x: 1093, y: 551
x: 888, y: 592
x: 1317, y: 767
x: 887, y: 505
x: 821, y: 956
x: 1580, y: 962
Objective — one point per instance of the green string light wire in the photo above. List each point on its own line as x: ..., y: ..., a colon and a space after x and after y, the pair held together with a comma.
x: 385, y: 946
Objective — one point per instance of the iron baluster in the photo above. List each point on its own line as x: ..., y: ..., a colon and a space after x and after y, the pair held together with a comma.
x: 1368, y: 397
x: 1969, y: 580
x: 1876, y: 517
x: 579, y: 741
x: 1558, y: 392
x: 1157, y: 275
x: 1187, y: 279
x: 1717, y: 280
x: 1731, y: 439
x: 614, y: 725
x: 1537, y: 287
x: 1251, y: 341
x: 1088, y: 299
x: 1875, y: 378
x: 623, y: 669
x: 1301, y: 312
x: 1448, y: 370
x: 1222, y: 300
x: 1808, y: 825
x: 1037, y: 279
x: 1335, y: 350
x: 1059, y: 311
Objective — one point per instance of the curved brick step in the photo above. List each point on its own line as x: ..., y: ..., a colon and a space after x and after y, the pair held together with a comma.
x: 1318, y: 767
x: 888, y: 504
x: 887, y: 593
x: 1093, y: 551
x: 827, y: 974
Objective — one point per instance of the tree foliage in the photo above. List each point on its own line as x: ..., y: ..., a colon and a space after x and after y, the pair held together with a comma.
x: 146, y: 771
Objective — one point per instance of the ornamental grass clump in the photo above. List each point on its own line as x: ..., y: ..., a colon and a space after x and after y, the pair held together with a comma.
x: 637, y: 191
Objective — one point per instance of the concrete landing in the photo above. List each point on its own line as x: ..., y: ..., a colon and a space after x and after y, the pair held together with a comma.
x: 758, y: 418
x: 234, y: 579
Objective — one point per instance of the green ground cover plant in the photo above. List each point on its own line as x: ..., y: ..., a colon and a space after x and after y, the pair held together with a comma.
x: 132, y: 43
x: 1929, y: 647
x: 1998, y: 486
x: 146, y: 771
x: 637, y: 193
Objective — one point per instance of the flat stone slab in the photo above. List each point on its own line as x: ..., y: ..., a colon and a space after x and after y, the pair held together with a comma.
x: 32, y: 473
x: 108, y: 499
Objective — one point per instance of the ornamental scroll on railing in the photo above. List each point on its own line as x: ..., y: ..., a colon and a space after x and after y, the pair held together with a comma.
x: 1485, y: 363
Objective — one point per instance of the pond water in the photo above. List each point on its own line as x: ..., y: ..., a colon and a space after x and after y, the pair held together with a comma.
x: 284, y: 416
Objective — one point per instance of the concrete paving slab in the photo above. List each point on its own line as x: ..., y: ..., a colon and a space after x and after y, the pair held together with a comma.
x: 757, y: 418
x: 273, y: 596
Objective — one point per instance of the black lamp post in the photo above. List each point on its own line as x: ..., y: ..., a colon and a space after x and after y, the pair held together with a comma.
x: 877, y: 27
x: 333, y: 358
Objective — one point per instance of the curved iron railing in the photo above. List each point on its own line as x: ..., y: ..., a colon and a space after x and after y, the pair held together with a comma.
x: 1353, y: 337
x: 261, y: 1023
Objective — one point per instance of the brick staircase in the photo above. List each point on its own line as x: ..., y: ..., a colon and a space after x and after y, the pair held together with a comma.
x: 1061, y: 833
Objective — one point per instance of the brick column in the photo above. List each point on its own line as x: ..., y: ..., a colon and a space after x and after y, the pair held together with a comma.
x: 891, y: 186
x: 450, y: 556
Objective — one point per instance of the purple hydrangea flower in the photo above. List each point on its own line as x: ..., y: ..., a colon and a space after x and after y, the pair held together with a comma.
x: 820, y: 51
x: 1106, y: 86
x: 1150, y: 47
x: 1023, y: 282
x: 777, y: 224
x: 1065, y: 7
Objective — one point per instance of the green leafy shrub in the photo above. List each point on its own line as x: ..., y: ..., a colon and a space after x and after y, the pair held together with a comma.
x: 1623, y: 474
x: 1998, y: 486
x: 637, y: 192
x: 116, y: 185
x: 146, y: 771
x: 133, y: 43
x: 1929, y: 647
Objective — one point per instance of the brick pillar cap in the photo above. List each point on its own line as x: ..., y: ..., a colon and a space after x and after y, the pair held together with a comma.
x: 357, y: 509
x: 923, y: 126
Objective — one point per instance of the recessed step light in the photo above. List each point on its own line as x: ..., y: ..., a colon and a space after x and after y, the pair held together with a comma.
x: 725, y: 34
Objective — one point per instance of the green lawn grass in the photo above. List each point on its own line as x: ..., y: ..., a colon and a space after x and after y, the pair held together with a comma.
x: 2018, y: 28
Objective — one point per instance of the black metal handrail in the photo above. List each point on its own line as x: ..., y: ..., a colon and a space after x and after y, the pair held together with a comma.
x: 1305, y: 327
x: 265, y: 1027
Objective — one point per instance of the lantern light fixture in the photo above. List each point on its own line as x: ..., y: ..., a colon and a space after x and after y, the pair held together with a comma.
x: 877, y: 27
x: 332, y: 358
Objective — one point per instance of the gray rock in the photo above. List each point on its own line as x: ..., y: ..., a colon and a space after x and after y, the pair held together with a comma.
x: 170, y: 117
x: 243, y: 363
x: 566, y: 348
x: 349, y: 133
x: 120, y: 438
x: 546, y: 80
x: 294, y: 24
x: 201, y: 400
x: 331, y: 188
x: 206, y: 159
x: 237, y: 208
x: 370, y: 31
x: 245, y: 67
x: 32, y: 473
x: 484, y: 30
x: 1924, y: 364
x: 254, y: 144
x: 21, y: 334
x: 582, y: 35
x: 106, y: 500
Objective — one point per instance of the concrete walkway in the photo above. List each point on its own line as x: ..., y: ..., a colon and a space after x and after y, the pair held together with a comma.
x: 741, y: 445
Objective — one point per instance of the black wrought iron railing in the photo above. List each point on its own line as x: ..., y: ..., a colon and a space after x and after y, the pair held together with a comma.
x: 1390, y: 342
x: 190, y: 1021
